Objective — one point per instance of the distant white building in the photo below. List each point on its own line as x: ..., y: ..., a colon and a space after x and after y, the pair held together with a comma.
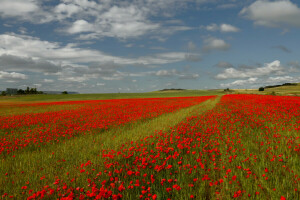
x: 11, y: 91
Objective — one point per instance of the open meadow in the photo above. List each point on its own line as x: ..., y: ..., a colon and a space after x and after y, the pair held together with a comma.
x: 149, y: 99
x: 125, y: 146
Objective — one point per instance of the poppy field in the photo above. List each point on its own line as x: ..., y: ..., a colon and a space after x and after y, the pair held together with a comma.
x: 207, y: 147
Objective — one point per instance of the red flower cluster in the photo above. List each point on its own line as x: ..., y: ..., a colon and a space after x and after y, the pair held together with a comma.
x: 246, y: 147
x: 36, y: 129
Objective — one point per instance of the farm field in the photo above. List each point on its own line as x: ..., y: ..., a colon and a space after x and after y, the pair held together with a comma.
x: 73, y: 97
x: 289, y: 90
x: 202, y: 146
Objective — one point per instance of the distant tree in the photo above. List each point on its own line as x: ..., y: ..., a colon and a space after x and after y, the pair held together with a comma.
x: 3, y: 93
x: 27, y: 91
x: 261, y: 89
x: 64, y: 92
x: 20, y: 92
x: 32, y: 91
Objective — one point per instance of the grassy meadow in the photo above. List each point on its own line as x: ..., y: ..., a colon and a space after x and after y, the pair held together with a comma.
x: 74, y: 97
x: 217, y: 147
x: 292, y: 90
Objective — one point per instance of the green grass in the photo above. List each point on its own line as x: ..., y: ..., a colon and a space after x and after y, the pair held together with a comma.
x: 74, y: 97
x: 32, y: 164
x: 292, y: 90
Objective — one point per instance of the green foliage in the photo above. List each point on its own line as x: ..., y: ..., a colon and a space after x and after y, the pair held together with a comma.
x: 28, y: 91
x: 261, y: 89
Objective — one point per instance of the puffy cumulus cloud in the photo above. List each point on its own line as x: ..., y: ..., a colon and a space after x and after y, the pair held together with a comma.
x: 97, y: 19
x: 239, y: 83
x: 26, y: 47
x: 17, y: 8
x: 228, y: 28
x: 17, y: 63
x: 211, y: 44
x: 267, y: 69
x: 80, y: 26
x: 12, y: 76
x: 25, y: 10
x: 225, y: 28
x: 71, y: 64
x: 120, y: 22
x: 280, y: 13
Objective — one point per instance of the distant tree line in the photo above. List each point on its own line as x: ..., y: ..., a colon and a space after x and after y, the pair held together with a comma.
x: 274, y: 86
x: 29, y: 91
x: 285, y: 84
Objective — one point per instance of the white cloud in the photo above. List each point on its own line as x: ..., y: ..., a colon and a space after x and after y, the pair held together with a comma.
x: 175, y: 73
x: 212, y: 27
x: 280, y: 13
x: 17, y: 63
x: 283, y: 79
x: 25, y: 10
x: 69, y: 62
x: 48, y: 80
x: 166, y: 72
x: 212, y: 43
x: 267, y: 69
x: 256, y: 82
x: 239, y: 83
x: 189, y: 76
x: 228, y: 28
x: 120, y: 19
x: 120, y: 22
x: 98, y: 19
x: 80, y: 26
x: 17, y: 8
x: 222, y: 28
x: 66, y: 10
x: 14, y: 46
x: 12, y: 75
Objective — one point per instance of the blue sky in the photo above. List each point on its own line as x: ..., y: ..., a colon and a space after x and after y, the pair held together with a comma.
x: 104, y: 46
